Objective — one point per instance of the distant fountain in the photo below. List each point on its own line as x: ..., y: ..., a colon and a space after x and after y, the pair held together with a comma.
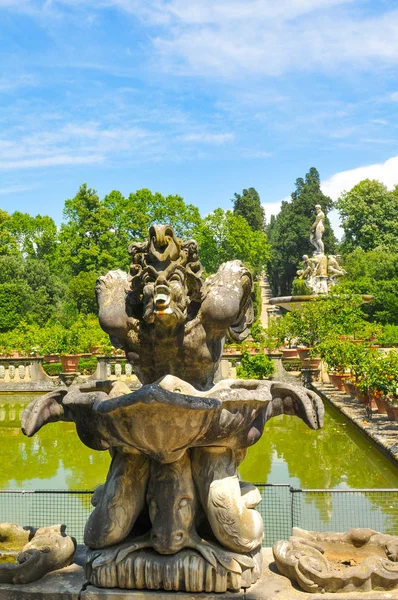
x: 320, y: 272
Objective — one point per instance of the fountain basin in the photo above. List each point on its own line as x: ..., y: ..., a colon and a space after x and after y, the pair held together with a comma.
x: 296, y: 302
x: 359, y: 560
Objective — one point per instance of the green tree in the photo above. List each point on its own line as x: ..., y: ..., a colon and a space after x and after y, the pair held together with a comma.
x: 376, y: 273
x: 378, y: 264
x: 144, y: 208
x: 44, y: 287
x: 96, y: 233
x: 248, y: 206
x: 88, y: 240
x: 35, y: 237
x: 225, y: 236
x: 289, y: 232
x: 369, y: 216
x: 81, y: 289
x: 7, y: 240
x: 14, y: 304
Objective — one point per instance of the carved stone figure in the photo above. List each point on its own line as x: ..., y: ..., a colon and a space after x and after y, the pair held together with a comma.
x: 334, y: 269
x: 359, y: 560
x: 172, y: 513
x: 166, y: 318
x: 317, y: 229
x: 43, y: 550
x: 320, y: 272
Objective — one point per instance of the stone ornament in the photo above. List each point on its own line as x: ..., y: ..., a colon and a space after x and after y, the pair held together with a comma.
x: 317, y: 229
x: 320, y: 272
x: 359, y: 560
x: 172, y: 513
x: 43, y: 550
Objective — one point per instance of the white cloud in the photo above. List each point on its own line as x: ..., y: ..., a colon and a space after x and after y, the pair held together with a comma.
x: 258, y: 37
x: 13, y: 189
x: 263, y: 37
x: 386, y: 172
x: 12, y: 83
x: 50, y: 161
x: 256, y: 154
x: 207, y: 138
x: 272, y: 208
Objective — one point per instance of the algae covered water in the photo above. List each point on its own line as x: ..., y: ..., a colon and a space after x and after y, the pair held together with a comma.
x: 337, y: 457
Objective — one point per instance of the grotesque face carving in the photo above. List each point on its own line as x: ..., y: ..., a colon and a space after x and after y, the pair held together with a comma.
x: 166, y: 277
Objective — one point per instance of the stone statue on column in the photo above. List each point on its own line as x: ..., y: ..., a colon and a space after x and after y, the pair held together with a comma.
x: 317, y: 229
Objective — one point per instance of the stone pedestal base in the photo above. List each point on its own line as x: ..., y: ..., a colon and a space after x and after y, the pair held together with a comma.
x: 187, y: 571
x: 70, y: 584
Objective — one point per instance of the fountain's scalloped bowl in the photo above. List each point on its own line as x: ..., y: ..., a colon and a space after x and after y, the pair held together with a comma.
x: 359, y: 560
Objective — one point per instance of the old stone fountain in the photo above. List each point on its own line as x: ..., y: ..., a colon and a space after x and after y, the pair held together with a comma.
x: 360, y: 560
x: 172, y: 513
x: 320, y: 272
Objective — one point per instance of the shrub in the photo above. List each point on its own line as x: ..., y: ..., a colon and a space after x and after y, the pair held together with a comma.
x: 87, y: 366
x: 299, y: 288
x: 389, y: 336
x: 384, y: 308
x: 322, y: 317
x: 52, y: 369
x: 258, y: 366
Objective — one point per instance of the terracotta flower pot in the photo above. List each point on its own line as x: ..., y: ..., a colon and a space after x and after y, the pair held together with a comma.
x: 310, y: 363
x: 70, y: 362
x: 381, y: 404
x: 337, y: 379
x: 349, y: 387
x: 51, y: 358
x: 359, y: 395
x: 290, y: 353
x: 303, y: 353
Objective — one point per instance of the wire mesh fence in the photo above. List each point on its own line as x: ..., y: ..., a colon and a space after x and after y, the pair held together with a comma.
x: 40, y: 508
x: 282, y: 508
x: 340, y: 510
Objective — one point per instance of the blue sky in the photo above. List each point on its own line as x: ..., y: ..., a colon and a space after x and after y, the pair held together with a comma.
x: 197, y: 97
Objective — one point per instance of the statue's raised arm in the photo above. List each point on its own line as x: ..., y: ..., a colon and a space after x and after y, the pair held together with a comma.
x: 227, y: 305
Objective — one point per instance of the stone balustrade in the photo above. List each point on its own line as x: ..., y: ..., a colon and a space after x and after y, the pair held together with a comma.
x: 113, y: 367
x: 22, y: 370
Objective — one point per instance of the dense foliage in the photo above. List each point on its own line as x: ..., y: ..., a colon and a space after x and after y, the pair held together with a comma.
x: 48, y: 275
x: 248, y: 205
x: 369, y: 216
x: 289, y: 232
x: 257, y: 366
x: 224, y: 235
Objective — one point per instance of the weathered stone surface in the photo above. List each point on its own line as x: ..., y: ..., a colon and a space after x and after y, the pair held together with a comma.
x: 172, y: 498
x: 47, y: 549
x: 69, y: 584
x: 65, y: 584
x: 188, y: 570
x: 167, y: 319
x: 317, y: 229
x: 320, y: 272
x: 359, y: 560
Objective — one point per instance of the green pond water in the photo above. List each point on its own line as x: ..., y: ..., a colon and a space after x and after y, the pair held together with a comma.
x: 337, y: 457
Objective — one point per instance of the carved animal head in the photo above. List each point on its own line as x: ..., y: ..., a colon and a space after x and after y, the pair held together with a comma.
x: 166, y: 277
x: 172, y: 505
